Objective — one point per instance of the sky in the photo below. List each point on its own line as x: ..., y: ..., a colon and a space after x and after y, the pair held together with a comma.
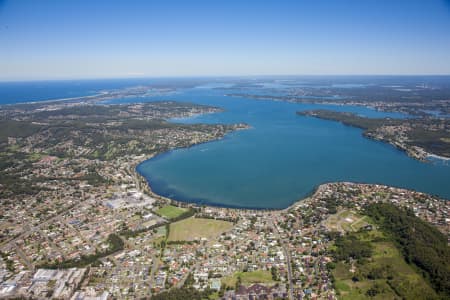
x: 62, y: 39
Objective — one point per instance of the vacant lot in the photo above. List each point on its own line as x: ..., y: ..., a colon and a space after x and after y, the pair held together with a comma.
x: 196, y: 228
x: 170, y: 211
x: 346, y: 221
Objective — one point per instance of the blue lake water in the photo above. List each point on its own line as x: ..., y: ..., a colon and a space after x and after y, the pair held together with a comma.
x: 282, y: 158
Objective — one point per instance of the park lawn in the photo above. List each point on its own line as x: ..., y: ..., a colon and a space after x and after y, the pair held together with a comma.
x: 191, y: 229
x: 14, y: 148
x: 249, y: 278
x: 35, y: 156
x: 170, y: 211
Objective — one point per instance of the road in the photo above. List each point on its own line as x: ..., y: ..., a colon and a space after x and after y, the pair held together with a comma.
x: 287, y: 254
x: 28, y: 231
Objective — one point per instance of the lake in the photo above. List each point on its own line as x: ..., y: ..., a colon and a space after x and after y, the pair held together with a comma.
x: 282, y: 158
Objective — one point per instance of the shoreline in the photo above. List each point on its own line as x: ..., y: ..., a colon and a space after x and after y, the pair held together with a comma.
x: 82, y: 99
x: 415, y: 152
x: 435, y: 156
x: 308, y: 196
x: 316, y: 189
x: 98, y: 96
x: 108, y: 95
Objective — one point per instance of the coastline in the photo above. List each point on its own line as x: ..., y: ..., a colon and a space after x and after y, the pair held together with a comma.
x: 195, y: 204
x: 418, y: 154
x: 98, y: 96
x: 314, y: 191
x: 435, y: 156
x: 142, y: 227
x: 205, y: 203
x: 415, y: 152
x: 134, y: 167
x: 81, y: 99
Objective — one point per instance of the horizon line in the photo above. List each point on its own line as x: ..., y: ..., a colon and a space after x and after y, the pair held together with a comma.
x: 220, y: 76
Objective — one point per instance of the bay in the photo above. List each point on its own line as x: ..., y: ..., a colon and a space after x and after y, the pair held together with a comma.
x: 282, y: 158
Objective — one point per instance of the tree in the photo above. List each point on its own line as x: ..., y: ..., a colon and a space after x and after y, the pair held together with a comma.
x: 273, y: 271
x: 238, y: 282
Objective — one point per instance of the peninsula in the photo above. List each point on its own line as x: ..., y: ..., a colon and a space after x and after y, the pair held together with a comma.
x: 418, y: 137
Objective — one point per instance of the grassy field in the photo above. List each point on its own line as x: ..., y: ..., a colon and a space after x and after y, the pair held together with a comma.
x: 170, y: 211
x: 195, y: 228
x: 398, y: 280
x: 249, y: 278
